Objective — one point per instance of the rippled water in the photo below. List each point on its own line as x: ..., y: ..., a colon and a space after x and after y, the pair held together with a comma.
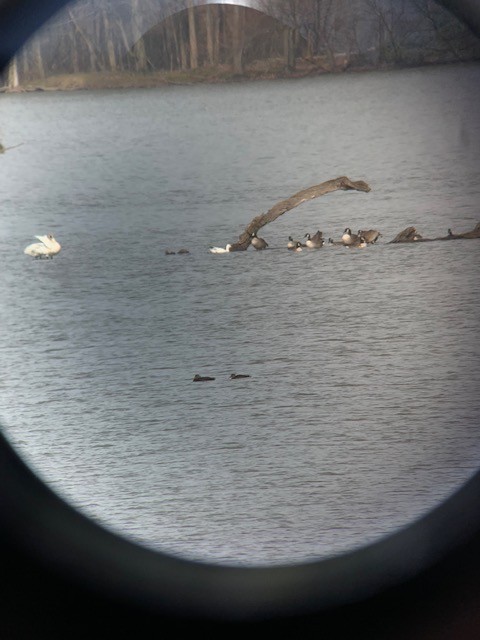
x: 362, y: 409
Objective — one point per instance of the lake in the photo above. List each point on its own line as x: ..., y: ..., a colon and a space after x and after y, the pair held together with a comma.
x: 361, y: 412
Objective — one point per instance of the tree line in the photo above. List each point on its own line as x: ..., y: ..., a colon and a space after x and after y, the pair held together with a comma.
x: 127, y: 35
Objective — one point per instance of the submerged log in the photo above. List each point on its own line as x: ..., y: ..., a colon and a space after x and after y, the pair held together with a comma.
x: 410, y: 234
x: 343, y: 183
x: 474, y: 233
x: 450, y: 236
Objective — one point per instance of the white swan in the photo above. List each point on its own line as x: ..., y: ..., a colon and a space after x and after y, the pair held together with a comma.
x: 220, y: 249
x: 46, y: 248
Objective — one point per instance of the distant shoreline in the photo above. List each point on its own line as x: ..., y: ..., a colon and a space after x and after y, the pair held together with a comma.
x: 94, y: 81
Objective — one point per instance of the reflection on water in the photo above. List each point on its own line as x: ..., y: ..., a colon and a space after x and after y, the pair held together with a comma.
x: 361, y: 412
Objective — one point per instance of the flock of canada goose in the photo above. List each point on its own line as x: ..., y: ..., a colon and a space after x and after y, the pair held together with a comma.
x: 48, y: 246
x: 348, y: 239
x: 315, y: 241
x: 351, y: 240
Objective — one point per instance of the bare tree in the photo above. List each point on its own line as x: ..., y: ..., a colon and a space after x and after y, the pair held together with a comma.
x: 320, y: 19
x: 287, y: 12
x: 397, y: 28
x: 109, y: 43
x: 141, y: 61
x: 12, y: 75
x: 120, y: 34
x: 238, y: 31
x: 445, y: 34
x: 211, y: 29
x: 192, y: 34
x: 85, y: 37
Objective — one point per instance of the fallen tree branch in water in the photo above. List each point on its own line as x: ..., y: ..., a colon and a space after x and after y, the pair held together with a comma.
x: 410, y: 234
x: 3, y: 149
x: 343, y: 183
x: 474, y: 233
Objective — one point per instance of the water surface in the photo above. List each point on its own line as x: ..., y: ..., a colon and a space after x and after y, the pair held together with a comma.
x: 362, y: 409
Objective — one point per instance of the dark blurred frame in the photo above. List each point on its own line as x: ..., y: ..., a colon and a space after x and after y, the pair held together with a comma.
x: 66, y: 577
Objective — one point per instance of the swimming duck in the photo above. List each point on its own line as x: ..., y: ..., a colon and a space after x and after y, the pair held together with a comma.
x: 347, y: 237
x: 237, y: 376
x: 314, y: 242
x: 46, y: 248
x: 220, y: 249
x: 370, y: 235
x: 169, y: 253
x: 258, y: 243
x: 198, y: 378
x: 183, y: 251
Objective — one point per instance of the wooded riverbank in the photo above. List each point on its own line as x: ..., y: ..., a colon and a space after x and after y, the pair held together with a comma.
x: 261, y: 71
x: 95, y: 45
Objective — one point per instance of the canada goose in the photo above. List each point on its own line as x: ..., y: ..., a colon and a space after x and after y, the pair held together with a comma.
x: 358, y: 243
x: 46, y: 248
x: 258, y: 243
x: 370, y: 235
x: 237, y: 376
x: 314, y: 242
x: 220, y: 249
x: 347, y: 237
x: 198, y: 378
x: 297, y: 247
x: 292, y: 244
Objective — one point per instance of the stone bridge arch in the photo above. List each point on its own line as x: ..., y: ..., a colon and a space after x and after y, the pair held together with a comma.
x: 153, y: 17
x: 107, y: 36
x: 153, y: 13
